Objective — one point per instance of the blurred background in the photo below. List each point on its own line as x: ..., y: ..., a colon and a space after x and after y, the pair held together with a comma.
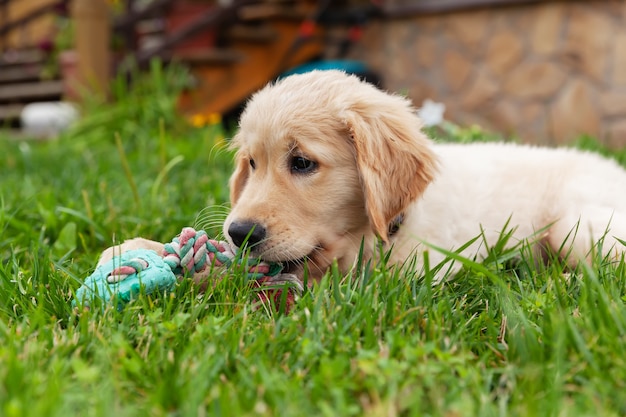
x: 541, y: 71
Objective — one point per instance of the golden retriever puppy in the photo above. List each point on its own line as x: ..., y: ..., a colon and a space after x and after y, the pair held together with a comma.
x: 325, y: 162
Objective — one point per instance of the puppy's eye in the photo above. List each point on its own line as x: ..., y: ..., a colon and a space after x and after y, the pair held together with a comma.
x: 301, y: 165
x: 252, y: 164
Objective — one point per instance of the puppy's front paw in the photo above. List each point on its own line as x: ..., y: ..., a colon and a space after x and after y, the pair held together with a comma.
x: 128, y: 245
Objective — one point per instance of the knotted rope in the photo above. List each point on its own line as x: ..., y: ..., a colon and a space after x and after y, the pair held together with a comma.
x: 192, y: 252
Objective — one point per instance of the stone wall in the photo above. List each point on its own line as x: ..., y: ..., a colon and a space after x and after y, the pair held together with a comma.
x: 545, y: 73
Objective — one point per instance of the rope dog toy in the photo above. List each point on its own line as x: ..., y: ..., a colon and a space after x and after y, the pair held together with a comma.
x: 125, y: 277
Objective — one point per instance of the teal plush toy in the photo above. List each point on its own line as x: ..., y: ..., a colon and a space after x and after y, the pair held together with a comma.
x: 125, y: 277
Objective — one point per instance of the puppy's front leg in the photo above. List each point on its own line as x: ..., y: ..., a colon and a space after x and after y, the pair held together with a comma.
x: 131, y: 244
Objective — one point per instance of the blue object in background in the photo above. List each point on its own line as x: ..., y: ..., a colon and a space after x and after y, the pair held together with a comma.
x: 357, y: 68
x: 349, y: 66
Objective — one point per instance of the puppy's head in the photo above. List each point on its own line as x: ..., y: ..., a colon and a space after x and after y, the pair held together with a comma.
x: 323, y: 161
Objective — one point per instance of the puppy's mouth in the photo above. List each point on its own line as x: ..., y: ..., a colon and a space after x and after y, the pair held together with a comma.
x: 294, y: 265
x: 298, y: 265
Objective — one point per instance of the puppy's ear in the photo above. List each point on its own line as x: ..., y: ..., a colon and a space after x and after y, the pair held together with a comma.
x: 394, y: 157
x: 238, y: 178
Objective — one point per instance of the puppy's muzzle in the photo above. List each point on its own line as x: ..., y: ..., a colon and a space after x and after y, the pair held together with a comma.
x: 247, y: 231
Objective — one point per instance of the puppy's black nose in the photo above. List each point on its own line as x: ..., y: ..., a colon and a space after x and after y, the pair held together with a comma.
x: 246, y: 232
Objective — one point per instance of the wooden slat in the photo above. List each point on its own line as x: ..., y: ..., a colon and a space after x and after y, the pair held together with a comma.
x: 270, y: 11
x: 210, y: 57
x: 258, y: 34
x: 21, y: 73
x: 31, y: 15
x: 205, y: 21
x: 10, y: 111
x: 30, y: 91
x: 408, y: 8
x: 21, y: 57
x: 220, y: 89
x: 153, y: 9
x: 150, y: 28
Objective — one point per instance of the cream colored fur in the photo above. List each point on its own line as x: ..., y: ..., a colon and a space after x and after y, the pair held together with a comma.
x: 374, y: 163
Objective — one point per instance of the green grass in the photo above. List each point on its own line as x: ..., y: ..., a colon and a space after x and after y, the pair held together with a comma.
x: 507, y: 337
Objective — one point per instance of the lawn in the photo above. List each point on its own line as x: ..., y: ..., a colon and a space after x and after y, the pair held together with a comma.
x: 506, y: 336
